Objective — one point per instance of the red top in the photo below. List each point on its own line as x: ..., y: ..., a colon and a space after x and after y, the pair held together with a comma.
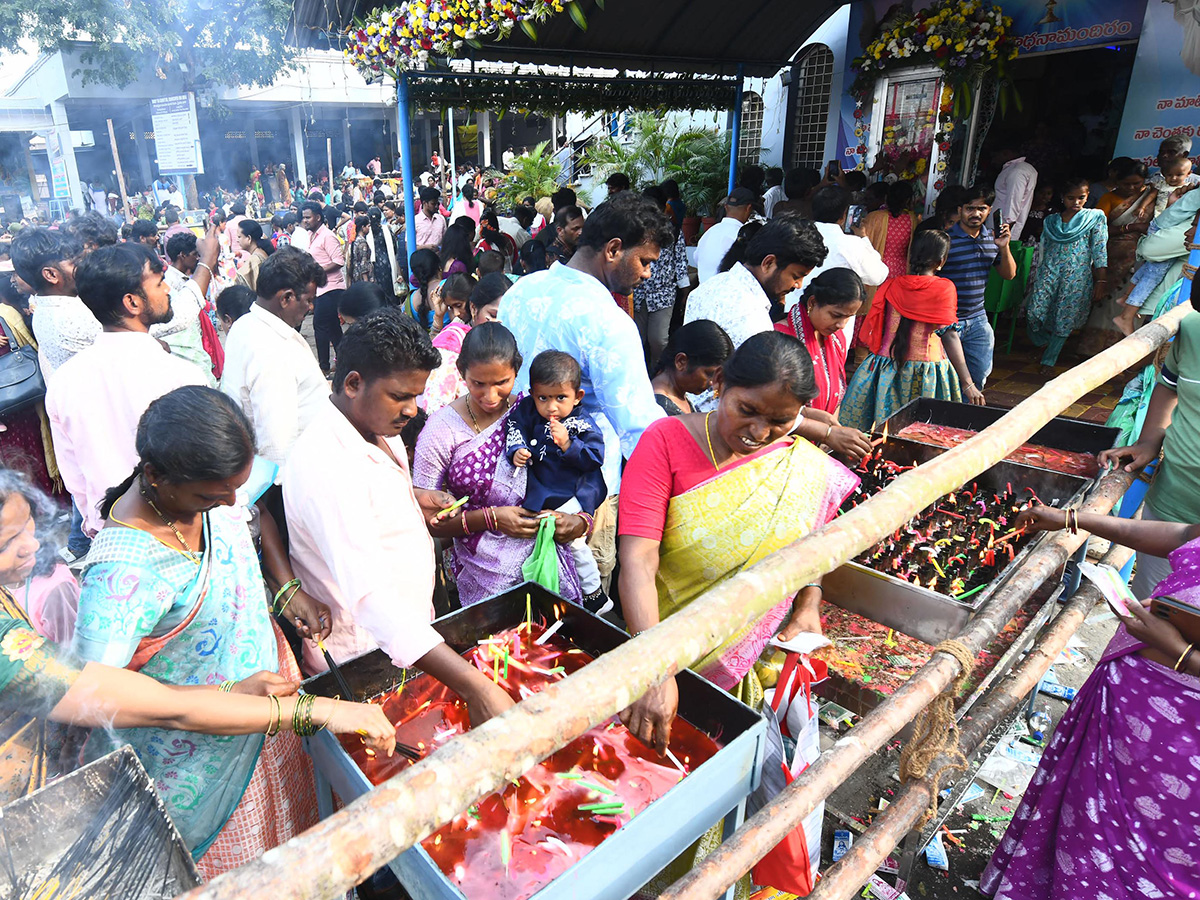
x: 667, y: 462
x: 828, y: 356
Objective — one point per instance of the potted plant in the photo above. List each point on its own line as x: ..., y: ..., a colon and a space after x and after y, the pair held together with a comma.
x: 703, y: 176
x: 534, y: 174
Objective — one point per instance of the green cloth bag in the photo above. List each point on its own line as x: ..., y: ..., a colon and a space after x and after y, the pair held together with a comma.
x: 542, y: 565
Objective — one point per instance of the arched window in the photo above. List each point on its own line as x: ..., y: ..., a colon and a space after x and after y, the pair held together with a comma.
x: 812, y: 83
x: 750, y: 141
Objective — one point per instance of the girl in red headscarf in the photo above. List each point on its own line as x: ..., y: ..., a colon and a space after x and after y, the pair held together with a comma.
x: 911, y: 332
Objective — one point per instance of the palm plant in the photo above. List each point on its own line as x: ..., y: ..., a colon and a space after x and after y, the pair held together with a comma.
x: 533, y: 175
x: 702, y: 170
x: 653, y: 150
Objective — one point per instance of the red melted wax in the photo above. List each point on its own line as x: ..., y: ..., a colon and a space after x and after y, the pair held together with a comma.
x: 513, y: 843
x: 1066, y: 461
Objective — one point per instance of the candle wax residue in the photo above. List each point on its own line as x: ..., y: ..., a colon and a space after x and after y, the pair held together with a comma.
x: 958, y: 544
x: 1067, y: 462
x: 516, y: 841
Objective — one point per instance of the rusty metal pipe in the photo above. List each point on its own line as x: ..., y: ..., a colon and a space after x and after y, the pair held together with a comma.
x: 773, y: 822
x: 846, y: 877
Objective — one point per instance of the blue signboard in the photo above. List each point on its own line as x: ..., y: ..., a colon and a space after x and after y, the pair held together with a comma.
x: 1164, y: 89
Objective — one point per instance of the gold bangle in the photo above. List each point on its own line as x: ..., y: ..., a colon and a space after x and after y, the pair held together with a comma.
x: 273, y: 715
x: 1182, y: 656
x: 828, y: 432
x: 227, y: 686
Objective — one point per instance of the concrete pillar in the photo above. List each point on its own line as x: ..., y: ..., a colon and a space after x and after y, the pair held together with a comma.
x: 251, y: 130
x: 483, y: 122
x: 296, y: 130
x: 58, y: 112
x: 346, y: 143
x: 143, y: 152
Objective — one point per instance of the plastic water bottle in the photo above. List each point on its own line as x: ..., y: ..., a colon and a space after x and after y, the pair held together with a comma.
x: 1039, y: 724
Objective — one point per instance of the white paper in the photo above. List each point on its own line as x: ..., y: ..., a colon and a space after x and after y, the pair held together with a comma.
x: 805, y: 643
x: 1110, y: 585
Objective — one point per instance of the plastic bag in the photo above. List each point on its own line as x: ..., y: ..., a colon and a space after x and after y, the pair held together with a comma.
x: 793, y: 863
x: 542, y: 565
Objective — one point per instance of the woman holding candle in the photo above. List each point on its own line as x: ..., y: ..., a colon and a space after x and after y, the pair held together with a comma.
x: 705, y: 495
x: 1112, y: 804
x: 912, y: 335
x: 173, y: 587
x: 461, y: 450
x: 1171, y: 429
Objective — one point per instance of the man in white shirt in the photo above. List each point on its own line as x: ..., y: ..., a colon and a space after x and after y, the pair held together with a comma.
x: 359, y: 533
x: 96, y: 398
x: 269, y: 369
x: 777, y: 260
x: 188, y: 276
x: 1015, y: 186
x: 45, y: 260
x: 830, y: 206
x: 715, y: 242
x: 775, y: 192
x: 518, y: 224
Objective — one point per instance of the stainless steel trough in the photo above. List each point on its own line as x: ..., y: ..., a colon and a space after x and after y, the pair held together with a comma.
x: 917, y: 611
x: 642, y: 847
x: 1060, y: 433
x: 109, y: 818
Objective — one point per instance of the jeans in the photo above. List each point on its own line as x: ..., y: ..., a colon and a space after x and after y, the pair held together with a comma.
x: 78, y: 542
x: 326, y: 327
x: 978, y: 343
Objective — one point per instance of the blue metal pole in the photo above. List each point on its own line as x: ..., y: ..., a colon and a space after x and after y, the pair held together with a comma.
x: 406, y: 166
x: 736, y: 130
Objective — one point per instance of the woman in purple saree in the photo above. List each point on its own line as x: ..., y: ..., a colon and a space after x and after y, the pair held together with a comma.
x: 1112, y: 812
x: 461, y: 450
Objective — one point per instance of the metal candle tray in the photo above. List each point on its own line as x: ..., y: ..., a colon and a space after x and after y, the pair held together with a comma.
x: 37, y: 830
x: 917, y: 611
x: 1060, y: 433
x: 639, y: 849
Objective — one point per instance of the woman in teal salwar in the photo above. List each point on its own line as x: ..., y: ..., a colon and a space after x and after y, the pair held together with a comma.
x: 1073, y: 273
x: 172, y: 588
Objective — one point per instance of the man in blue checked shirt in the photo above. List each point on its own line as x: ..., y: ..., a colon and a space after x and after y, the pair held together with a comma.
x: 974, y: 252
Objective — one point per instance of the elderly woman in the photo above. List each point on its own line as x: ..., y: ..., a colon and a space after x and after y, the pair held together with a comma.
x: 173, y: 587
x: 40, y: 681
x: 707, y: 494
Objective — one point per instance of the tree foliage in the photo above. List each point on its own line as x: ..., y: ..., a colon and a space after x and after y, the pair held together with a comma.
x: 207, y: 42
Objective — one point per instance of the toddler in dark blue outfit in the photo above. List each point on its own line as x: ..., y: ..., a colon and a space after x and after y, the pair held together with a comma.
x: 563, y: 450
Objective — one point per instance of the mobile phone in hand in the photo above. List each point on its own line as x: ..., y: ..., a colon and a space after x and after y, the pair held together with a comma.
x: 1183, y: 616
x: 854, y: 218
x: 997, y: 220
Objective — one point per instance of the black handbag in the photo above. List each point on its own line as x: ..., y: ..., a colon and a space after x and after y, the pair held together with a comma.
x: 21, y: 381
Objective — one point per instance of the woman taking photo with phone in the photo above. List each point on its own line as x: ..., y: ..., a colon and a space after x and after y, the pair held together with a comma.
x: 1112, y: 805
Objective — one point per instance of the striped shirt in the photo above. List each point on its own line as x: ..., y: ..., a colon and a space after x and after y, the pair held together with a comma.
x: 970, y: 261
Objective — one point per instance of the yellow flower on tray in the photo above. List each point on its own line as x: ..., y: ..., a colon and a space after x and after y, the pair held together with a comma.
x: 20, y: 643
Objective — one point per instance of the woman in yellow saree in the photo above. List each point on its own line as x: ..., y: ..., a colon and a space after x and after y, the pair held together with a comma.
x: 707, y: 494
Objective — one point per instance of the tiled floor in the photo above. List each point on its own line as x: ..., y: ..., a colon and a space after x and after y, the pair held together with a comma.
x: 1016, y: 375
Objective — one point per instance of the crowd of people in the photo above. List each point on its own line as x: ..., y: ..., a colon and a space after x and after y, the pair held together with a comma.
x: 229, y: 495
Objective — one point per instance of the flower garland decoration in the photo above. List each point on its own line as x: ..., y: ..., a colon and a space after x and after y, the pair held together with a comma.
x: 966, y: 39
x: 391, y: 40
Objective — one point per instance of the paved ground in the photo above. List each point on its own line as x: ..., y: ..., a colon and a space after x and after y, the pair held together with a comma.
x: 1018, y: 374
